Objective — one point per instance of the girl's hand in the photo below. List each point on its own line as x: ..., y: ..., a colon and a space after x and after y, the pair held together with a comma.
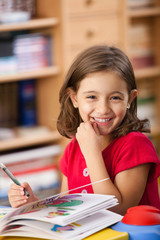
x: 17, y: 195
x: 89, y: 139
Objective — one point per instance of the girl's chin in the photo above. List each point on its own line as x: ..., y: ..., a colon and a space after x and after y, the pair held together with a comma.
x: 103, y: 132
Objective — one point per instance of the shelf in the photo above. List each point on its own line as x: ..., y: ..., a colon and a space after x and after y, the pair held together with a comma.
x: 144, y: 12
x: 155, y: 132
x: 147, y: 72
x: 32, y: 24
x: 29, y: 141
x: 39, y: 73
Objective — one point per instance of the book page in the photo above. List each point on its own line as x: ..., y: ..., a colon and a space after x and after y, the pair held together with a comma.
x: 65, y: 209
x: 4, y: 211
x: 76, y: 230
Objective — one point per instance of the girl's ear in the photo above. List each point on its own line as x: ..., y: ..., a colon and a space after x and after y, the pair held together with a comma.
x: 132, y: 95
x: 73, y: 97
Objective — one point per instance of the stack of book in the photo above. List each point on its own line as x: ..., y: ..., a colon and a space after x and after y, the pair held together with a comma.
x: 141, y: 51
x: 146, y: 107
x: 73, y: 216
x: 27, y: 109
x: 8, y: 105
x: 18, y: 104
x: 8, y: 62
x: 36, y: 166
x: 17, y: 5
x: 33, y: 51
x: 21, y: 52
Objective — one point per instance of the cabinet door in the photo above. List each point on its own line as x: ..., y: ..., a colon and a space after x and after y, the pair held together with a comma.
x: 91, y: 22
x: 88, y: 7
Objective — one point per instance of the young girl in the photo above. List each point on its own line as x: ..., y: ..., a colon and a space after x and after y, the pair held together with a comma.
x: 99, y: 112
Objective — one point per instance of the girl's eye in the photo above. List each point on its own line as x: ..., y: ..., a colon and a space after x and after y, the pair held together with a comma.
x: 115, y: 98
x: 91, y: 97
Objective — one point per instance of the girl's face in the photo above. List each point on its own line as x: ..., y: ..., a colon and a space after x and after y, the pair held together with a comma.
x: 103, y: 98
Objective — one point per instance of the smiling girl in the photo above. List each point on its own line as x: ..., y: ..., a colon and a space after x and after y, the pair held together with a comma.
x: 99, y: 112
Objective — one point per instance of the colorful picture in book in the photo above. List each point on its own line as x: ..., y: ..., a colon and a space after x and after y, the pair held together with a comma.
x: 62, y: 206
x: 69, y: 227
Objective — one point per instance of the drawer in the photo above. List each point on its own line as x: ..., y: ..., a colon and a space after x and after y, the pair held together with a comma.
x: 94, y: 31
x: 73, y: 51
x: 75, y: 7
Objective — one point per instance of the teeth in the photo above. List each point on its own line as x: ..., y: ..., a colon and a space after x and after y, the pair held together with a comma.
x: 101, y: 120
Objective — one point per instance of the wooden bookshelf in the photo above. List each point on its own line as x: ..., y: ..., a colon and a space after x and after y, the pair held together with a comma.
x: 144, y: 12
x: 38, y: 73
x: 20, y: 142
x: 148, y: 72
x: 47, y: 22
x: 149, y: 75
x: 49, y: 79
x: 32, y: 24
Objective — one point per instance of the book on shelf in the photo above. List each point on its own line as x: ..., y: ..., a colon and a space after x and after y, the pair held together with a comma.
x: 1, y: 106
x: 18, y: 104
x: 146, y: 104
x: 49, y: 176
x: 14, y: 6
x: 13, y: 104
x: 27, y: 103
x: 73, y: 216
x: 140, y: 3
x: 141, y: 50
x: 24, y: 51
x: 30, y: 166
x: 30, y: 131
x: 8, y: 105
x: 147, y: 109
x: 6, y: 46
x: 8, y: 61
x: 33, y: 51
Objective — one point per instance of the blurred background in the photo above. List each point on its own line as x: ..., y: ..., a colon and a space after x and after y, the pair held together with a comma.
x: 38, y: 42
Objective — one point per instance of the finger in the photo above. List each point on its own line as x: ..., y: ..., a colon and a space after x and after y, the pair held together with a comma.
x: 80, y: 126
x: 16, y: 192
x: 26, y: 187
x: 18, y: 203
x: 14, y: 186
x: 18, y: 198
x: 87, y: 125
x: 95, y: 127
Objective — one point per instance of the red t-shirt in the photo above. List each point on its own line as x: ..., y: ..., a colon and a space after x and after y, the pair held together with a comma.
x: 122, y: 153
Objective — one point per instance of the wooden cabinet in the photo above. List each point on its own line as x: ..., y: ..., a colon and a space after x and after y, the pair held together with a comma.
x: 48, y: 82
x: 147, y: 71
x: 90, y: 22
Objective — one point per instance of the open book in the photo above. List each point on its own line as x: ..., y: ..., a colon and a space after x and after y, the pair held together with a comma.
x: 73, y: 216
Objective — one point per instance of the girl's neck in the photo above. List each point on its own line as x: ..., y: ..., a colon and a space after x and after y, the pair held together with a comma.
x: 106, y: 140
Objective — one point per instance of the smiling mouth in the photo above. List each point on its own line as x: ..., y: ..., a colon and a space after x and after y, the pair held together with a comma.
x: 102, y: 120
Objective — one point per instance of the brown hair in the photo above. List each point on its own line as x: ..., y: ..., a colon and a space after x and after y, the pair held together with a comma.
x: 96, y: 59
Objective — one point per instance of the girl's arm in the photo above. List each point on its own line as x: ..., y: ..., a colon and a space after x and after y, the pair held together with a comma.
x: 131, y: 184
x: 128, y: 186
x: 64, y: 184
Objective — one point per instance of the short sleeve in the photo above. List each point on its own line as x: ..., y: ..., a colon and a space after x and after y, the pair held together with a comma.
x: 137, y: 149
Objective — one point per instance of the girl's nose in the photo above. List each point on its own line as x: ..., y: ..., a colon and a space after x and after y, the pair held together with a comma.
x: 103, y: 107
